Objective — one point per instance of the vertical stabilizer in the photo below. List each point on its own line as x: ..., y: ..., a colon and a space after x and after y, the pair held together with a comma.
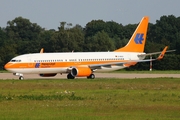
x: 138, y: 39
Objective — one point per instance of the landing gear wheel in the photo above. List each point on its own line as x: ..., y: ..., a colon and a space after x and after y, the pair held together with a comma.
x: 21, y: 78
x: 92, y: 76
x: 69, y: 76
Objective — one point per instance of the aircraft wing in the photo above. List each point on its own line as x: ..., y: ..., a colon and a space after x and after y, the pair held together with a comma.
x: 96, y: 66
x: 154, y: 53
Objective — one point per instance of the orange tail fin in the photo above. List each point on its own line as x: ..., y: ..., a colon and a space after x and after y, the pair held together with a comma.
x: 138, y: 39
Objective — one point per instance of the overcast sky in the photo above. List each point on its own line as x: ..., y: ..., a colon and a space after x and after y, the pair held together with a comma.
x: 49, y: 13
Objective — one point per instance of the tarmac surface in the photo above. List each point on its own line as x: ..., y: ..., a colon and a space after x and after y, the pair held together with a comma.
x: 4, y: 76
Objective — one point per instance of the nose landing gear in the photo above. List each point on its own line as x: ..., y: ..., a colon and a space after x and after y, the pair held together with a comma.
x: 20, y: 76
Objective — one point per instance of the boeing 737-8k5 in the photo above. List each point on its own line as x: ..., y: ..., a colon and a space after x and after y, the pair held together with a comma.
x: 84, y: 64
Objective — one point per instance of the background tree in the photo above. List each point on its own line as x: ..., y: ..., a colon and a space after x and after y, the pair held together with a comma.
x: 99, y: 42
x: 25, y: 34
x: 68, y: 38
x: 21, y: 36
x: 93, y: 27
x: 2, y: 37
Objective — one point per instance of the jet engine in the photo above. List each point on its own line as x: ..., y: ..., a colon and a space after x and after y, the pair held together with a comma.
x: 81, y: 71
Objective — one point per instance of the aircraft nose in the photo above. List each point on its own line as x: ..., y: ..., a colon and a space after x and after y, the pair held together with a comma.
x: 6, y: 66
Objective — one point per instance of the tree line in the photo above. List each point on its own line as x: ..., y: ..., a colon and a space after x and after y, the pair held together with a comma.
x: 20, y: 36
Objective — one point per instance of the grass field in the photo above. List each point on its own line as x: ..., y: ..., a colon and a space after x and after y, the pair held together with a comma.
x: 82, y: 99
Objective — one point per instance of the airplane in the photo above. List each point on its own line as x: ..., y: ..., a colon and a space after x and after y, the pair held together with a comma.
x: 84, y: 64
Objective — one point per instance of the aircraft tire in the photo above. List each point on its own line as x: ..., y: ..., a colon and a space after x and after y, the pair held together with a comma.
x: 21, y: 78
x: 92, y: 76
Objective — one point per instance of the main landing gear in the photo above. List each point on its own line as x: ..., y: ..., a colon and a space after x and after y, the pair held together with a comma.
x: 20, y: 76
x: 69, y: 76
x: 92, y: 76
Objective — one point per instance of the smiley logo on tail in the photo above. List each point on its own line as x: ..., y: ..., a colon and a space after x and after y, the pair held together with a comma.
x: 139, y: 38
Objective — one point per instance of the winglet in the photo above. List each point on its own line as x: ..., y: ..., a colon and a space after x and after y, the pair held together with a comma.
x: 162, y: 53
x: 42, y: 50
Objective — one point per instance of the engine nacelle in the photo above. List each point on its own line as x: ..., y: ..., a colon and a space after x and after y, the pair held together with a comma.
x: 48, y: 75
x: 81, y: 71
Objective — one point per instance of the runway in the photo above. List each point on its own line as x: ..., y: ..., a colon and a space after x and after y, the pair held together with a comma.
x: 4, y: 76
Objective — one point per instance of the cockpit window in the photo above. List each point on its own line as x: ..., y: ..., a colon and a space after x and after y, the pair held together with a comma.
x: 15, y: 61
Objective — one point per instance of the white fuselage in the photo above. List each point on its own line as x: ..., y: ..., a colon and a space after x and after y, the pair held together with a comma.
x: 61, y: 62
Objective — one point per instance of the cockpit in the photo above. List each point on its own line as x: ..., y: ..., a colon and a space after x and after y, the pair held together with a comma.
x: 13, y: 60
